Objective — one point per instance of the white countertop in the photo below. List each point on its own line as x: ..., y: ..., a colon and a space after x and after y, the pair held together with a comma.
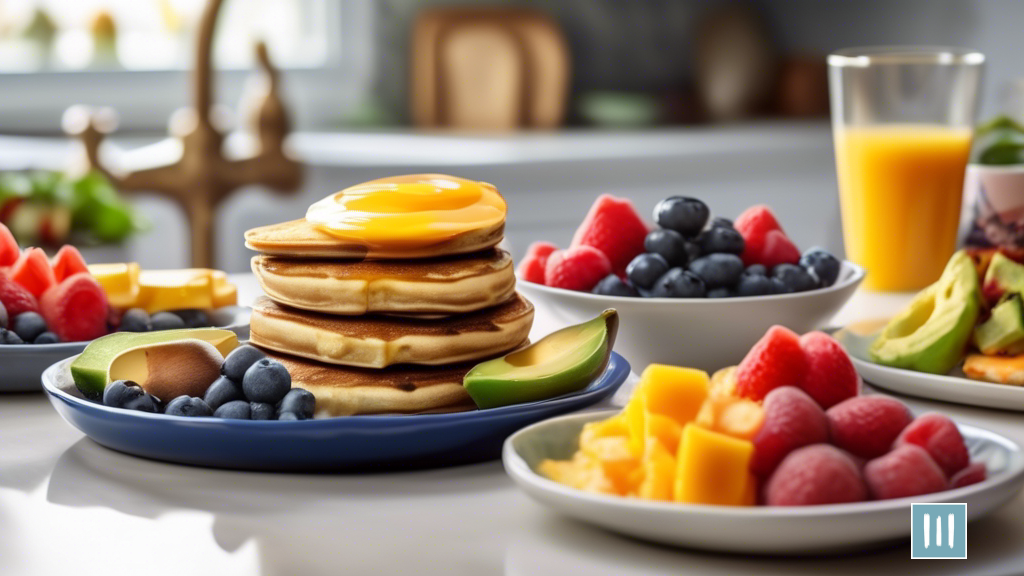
x: 69, y: 506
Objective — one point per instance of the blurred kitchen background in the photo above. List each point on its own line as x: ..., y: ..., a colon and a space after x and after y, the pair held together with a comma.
x: 553, y: 101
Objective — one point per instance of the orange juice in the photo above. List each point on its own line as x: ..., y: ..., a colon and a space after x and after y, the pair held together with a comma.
x: 900, y: 186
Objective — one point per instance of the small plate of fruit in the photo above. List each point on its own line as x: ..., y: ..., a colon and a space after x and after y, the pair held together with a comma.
x: 694, y: 290
x: 50, y: 308
x: 959, y: 340
x: 778, y: 455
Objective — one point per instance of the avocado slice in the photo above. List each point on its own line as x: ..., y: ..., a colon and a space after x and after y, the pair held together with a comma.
x: 1003, y: 332
x: 562, y: 362
x: 931, y: 334
x: 91, y: 370
x: 1004, y: 276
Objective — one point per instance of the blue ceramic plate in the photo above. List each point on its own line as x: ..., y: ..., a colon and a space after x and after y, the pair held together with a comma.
x: 24, y: 364
x: 330, y: 444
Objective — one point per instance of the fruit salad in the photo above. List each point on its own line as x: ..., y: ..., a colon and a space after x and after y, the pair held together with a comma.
x: 46, y: 301
x: 687, y: 255
x: 973, y: 314
x: 786, y: 427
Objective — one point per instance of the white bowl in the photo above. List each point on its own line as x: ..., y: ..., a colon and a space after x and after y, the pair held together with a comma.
x: 750, y: 529
x: 705, y: 333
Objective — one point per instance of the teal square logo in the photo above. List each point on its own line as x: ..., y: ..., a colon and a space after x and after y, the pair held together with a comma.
x: 938, y: 531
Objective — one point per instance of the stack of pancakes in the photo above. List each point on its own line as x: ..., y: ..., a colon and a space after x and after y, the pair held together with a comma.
x: 370, y: 330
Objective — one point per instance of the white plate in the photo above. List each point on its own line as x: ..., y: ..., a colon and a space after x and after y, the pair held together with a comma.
x: 760, y: 529
x: 954, y: 387
x: 705, y: 333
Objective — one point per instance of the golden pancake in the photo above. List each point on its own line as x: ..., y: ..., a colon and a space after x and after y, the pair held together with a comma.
x: 300, y: 239
x: 344, y: 391
x: 455, y: 285
x: 380, y: 341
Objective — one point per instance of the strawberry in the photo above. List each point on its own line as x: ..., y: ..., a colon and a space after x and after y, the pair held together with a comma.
x: 531, y: 268
x: 68, y: 261
x: 76, y: 309
x: 818, y: 474
x: 613, y: 227
x: 778, y: 249
x: 776, y: 360
x: 9, y: 250
x: 867, y: 426
x: 792, y: 419
x: 906, y: 471
x: 973, y: 474
x: 15, y: 297
x: 578, y: 268
x: 33, y: 271
x: 830, y: 377
x: 754, y: 224
x: 940, y: 437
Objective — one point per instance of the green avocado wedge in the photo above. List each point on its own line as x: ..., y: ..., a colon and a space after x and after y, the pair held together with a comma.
x: 562, y: 362
x: 91, y: 369
x: 1003, y: 332
x: 932, y: 332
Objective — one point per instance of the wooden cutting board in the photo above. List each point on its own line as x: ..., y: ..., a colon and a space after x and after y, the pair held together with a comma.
x: 488, y: 68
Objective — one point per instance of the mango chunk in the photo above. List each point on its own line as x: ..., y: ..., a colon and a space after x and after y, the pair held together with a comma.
x: 582, y: 473
x: 161, y: 290
x: 659, y: 473
x: 712, y: 468
x: 671, y: 391
x: 120, y: 282
x: 663, y: 430
x: 224, y: 293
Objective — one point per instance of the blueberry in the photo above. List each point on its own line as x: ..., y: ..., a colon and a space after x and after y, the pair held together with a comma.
x: 236, y: 410
x: 3, y: 315
x: 645, y: 269
x: 261, y: 411
x: 670, y: 244
x: 28, y: 325
x: 720, y: 222
x: 720, y: 240
x: 288, y: 416
x: 824, y: 265
x: 222, y: 391
x: 778, y: 287
x: 678, y: 283
x: 266, y: 381
x: 612, y: 285
x: 755, y: 285
x: 144, y: 403
x: 239, y: 360
x: 692, y: 251
x: 188, y: 406
x: 166, y: 321
x: 46, y: 338
x: 9, y: 337
x: 300, y: 402
x: 717, y: 270
x: 719, y: 293
x: 135, y: 320
x: 756, y: 270
x: 684, y: 215
x: 118, y: 391
x: 794, y: 278
x: 193, y: 318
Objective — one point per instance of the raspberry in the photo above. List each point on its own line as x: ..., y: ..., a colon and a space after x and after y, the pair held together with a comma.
x: 9, y: 250
x: 613, y: 227
x: 817, y: 474
x: 754, y: 224
x: 906, y: 471
x: 33, y: 271
x: 577, y: 268
x: 972, y: 474
x: 776, y: 360
x: 778, y: 249
x: 940, y: 437
x: 15, y: 297
x: 830, y: 377
x: 531, y: 268
x: 792, y: 419
x: 866, y: 426
x: 68, y: 261
x: 76, y: 309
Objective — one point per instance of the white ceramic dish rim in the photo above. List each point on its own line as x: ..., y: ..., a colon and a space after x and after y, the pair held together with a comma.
x: 513, y: 460
x: 850, y: 274
x: 927, y: 378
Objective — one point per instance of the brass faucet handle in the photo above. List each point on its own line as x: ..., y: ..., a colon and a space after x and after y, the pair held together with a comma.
x: 90, y: 126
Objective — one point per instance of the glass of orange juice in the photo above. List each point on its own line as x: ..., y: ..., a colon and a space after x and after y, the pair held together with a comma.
x: 902, y: 119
